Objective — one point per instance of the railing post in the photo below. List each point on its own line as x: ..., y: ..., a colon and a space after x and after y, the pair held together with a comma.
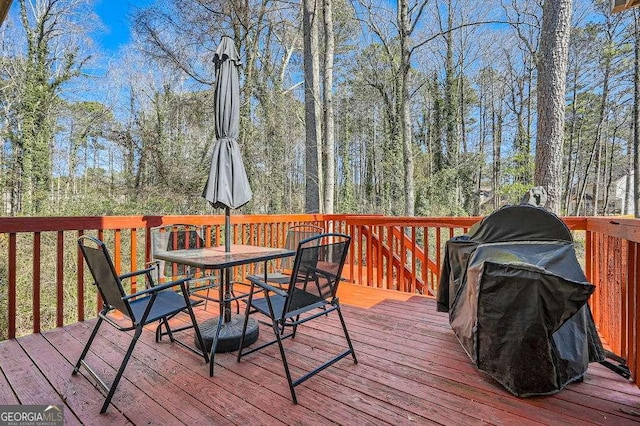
x: 635, y: 337
x: 630, y: 307
x: 589, y: 255
x: 438, y: 249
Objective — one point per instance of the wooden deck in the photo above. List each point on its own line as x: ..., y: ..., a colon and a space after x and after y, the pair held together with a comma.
x: 411, y: 370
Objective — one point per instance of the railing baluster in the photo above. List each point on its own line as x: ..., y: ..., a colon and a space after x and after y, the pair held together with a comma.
x: 413, y: 260
x: 60, y: 280
x: 369, y: 256
x: 117, y: 250
x: 379, y: 257
x: 98, y: 298
x: 390, y: 284
x: 80, y: 280
x: 635, y: 337
x: 133, y: 263
x: 352, y: 255
x: 361, y: 254
x: 36, y: 282
x: 425, y: 261
x: 402, y: 284
x: 12, y: 287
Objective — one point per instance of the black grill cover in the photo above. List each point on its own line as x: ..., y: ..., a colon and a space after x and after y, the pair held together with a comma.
x: 516, y: 297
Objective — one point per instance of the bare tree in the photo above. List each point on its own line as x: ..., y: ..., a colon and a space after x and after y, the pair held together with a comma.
x: 51, y: 56
x: 552, y: 71
x: 636, y: 115
x: 312, y: 115
x: 329, y: 137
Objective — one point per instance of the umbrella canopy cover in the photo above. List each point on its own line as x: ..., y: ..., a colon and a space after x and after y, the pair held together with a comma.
x: 227, y: 184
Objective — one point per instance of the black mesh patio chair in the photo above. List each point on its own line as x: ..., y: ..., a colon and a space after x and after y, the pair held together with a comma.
x: 178, y: 237
x: 311, y: 294
x: 157, y: 303
x: 282, y: 273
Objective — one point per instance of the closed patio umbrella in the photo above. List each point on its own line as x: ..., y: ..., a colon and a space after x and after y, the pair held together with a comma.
x: 227, y: 185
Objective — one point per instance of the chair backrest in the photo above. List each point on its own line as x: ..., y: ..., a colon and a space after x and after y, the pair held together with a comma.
x: 174, y: 237
x: 104, y: 274
x: 296, y: 234
x: 317, y: 271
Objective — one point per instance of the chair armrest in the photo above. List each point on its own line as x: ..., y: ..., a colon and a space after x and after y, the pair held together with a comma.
x: 136, y: 273
x: 265, y: 286
x: 158, y: 288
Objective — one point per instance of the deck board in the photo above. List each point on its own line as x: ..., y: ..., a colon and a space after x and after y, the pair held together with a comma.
x: 411, y: 370
x: 28, y: 382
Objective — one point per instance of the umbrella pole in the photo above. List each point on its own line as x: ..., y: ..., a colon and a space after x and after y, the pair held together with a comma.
x: 227, y: 229
x: 227, y: 272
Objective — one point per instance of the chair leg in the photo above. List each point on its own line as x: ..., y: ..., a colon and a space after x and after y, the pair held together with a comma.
x: 116, y: 380
x: 86, y: 347
x: 159, y: 333
x: 198, y: 334
x: 276, y: 331
x: 247, y: 312
x: 244, y: 330
x: 346, y: 334
x: 169, y: 331
x: 294, y: 329
x: 214, y: 344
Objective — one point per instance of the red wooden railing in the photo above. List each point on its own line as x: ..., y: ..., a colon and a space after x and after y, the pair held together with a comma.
x: 39, y: 256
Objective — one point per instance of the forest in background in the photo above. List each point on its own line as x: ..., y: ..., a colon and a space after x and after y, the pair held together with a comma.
x: 449, y: 94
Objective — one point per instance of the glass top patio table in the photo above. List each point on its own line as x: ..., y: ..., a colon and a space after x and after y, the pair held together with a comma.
x: 217, y: 258
x: 225, y: 331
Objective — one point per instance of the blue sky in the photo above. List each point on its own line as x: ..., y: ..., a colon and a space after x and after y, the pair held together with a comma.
x: 114, y: 14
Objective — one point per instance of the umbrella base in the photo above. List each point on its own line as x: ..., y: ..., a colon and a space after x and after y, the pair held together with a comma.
x: 230, y: 334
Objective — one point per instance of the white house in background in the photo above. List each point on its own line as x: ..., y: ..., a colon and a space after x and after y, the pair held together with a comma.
x: 624, y: 198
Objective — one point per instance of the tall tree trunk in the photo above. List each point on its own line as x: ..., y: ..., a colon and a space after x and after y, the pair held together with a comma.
x: 312, y: 115
x: 329, y: 137
x: 497, y: 143
x: 572, y: 134
x: 405, y: 107
x: 600, y: 129
x: 482, y: 115
x: 552, y: 72
x: 608, y: 171
x: 449, y: 98
x: 636, y: 117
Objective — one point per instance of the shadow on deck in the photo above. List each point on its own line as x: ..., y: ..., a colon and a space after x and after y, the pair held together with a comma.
x: 411, y: 370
